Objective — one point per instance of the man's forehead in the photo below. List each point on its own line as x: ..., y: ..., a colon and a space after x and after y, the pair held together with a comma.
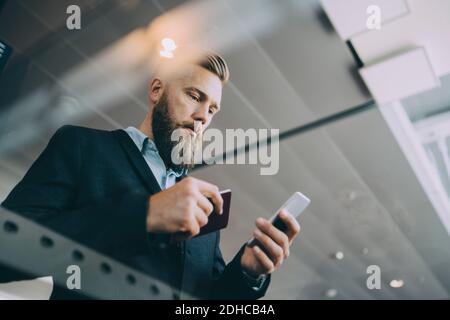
x: 204, y: 80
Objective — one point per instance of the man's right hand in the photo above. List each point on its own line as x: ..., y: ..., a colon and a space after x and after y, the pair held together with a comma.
x: 183, y: 208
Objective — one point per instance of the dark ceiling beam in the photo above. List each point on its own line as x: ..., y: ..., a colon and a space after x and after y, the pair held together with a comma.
x: 317, y: 124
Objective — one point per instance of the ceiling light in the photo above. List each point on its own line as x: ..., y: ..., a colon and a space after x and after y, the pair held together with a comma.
x: 396, y: 283
x: 169, y: 47
x: 331, y: 293
x: 339, y: 255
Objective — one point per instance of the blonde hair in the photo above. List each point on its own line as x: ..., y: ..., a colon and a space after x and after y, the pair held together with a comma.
x: 217, y: 65
x: 185, y: 55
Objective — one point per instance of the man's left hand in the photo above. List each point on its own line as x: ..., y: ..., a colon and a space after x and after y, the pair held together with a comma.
x: 275, y: 244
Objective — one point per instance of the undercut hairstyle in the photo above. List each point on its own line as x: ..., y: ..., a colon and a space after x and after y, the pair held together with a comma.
x: 205, y: 59
x: 217, y: 65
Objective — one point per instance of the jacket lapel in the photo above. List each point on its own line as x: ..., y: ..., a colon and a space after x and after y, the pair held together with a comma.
x: 138, y: 161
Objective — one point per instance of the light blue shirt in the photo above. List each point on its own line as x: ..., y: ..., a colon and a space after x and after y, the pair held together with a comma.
x: 166, y: 178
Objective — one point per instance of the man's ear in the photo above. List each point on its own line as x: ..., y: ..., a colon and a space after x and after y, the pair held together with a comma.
x: 155, y: 90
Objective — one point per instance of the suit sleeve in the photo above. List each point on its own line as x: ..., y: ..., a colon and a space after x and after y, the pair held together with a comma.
x: 47, y: 192
x: 230, y: 282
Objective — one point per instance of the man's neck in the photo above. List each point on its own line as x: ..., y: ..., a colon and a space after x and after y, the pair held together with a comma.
x: 146, y: 126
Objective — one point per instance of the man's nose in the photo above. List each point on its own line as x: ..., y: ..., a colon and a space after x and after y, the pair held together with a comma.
x: 201, y: 115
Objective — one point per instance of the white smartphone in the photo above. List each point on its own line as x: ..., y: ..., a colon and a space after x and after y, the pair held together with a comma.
x: 295, y: 205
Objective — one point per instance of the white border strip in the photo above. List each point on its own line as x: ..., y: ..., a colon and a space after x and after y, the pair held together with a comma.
x: 406, y: 136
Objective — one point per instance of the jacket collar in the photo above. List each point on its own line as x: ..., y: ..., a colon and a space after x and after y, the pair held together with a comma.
x: 138, y: 161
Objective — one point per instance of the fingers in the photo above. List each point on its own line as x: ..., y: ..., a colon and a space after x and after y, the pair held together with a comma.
x: 206, y: 189
x: 198, y: 207
x: 192, y: 226
x: 201, y: 219
x: 194, y: 229
x: 269, y: 246
x: 211, y: 191
x: 279, y: 237
x: 292, y: 225
x: 204, y: 204
x: 263, y: 260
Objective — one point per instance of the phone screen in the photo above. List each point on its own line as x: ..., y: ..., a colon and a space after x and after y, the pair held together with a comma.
x: 295, y: 205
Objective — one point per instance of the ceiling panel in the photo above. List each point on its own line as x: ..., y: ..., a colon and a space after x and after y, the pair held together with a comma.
x: 358, y: 201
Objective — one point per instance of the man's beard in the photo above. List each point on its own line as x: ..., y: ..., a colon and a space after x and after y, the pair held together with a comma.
x: 162, y: 128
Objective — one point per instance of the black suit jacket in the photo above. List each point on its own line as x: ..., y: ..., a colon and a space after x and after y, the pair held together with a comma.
x: 93, y: 186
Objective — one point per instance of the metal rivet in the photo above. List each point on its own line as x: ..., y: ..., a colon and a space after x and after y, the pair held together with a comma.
x: 77, y: 255
x: 46, y: 242
x: 10, y: 227
x: 105, y: 268
x: 154, y: 289
x: 131, y: 279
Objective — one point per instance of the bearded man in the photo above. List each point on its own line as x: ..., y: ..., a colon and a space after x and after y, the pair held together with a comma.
x: 121, y: 193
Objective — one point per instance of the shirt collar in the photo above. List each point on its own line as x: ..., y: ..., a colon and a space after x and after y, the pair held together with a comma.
x: 138, y: 137
x: 142, y: 141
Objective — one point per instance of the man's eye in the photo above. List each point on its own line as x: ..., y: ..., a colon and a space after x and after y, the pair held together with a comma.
x: 211, y: 110
x: 194, y: 97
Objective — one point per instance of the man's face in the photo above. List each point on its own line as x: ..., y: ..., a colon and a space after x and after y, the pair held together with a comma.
x: 194, y: 96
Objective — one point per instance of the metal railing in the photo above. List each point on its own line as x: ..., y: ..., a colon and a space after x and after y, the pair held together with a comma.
x: 38, y: 251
